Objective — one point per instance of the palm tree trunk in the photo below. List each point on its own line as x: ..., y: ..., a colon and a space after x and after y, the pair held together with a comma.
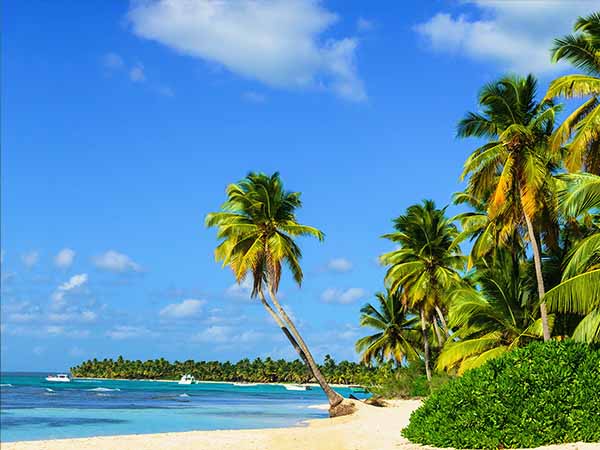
x: 438, y: 333
x: 425, y: 344
x: 537, y: 261
x: 442, y: 320
x: 333, y: 397
x: 281, y: 325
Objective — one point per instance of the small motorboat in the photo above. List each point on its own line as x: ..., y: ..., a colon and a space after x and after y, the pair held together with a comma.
x: 59, y: 378
x: 187, y: 379
x: 296, y: 387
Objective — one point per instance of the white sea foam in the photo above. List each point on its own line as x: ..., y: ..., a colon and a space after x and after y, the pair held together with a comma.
x: 49, y: 390
x: 184, y: 395
x: 6, y: 385
x: 103, y: 389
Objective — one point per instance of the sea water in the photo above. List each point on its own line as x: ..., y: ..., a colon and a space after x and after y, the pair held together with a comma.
x: 32, y: 408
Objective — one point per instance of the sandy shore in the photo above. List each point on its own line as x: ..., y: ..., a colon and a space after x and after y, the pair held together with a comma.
x: 370, y: 428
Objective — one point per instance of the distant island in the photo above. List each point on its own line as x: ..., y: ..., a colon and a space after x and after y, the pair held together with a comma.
x: 257, y: 371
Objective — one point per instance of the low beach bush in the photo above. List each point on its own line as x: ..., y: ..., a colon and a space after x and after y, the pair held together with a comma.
x: 542, y: 394
x: 406, y: 382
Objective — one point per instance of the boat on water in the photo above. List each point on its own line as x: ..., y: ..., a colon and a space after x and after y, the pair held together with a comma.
x: 241, y: 383
x: 187, y: 379
x: 296, y: 387
x: 59, y: 378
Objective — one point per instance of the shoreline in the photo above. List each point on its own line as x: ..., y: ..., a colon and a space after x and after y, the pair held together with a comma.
x: 348, y: 386
x: 368, y: 428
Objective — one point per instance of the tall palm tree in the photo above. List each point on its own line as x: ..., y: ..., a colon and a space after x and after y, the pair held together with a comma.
x: 511, y: 173
x: 257, y: 226
x: 582, y: 125
x: 425, y: 266
x: 579, y: 290
x: 492, y: 317
x: 397, y: 336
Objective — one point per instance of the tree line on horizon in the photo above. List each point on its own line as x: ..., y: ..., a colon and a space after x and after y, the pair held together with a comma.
x: 258, y: 370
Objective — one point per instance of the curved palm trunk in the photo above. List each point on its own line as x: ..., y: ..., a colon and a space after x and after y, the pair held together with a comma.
x: 537, y: 261
x: 425, y: 343
x: 333, y: 397
x: 438, y: 333
x: 281, y: 325
x: 442, y: 320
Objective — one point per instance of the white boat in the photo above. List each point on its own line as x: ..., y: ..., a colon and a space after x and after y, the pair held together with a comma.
x: 296, y: 387
x: 58, y: 378
x: 244, y: 384
x: 187, y: 379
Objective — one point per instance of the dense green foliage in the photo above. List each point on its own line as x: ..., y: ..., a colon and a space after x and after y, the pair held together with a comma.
x: 421, y: 270
x: 258, y: 370
x: 545, y: 393
x: 405, y: 382
x: 533, y: 198
x: 396, y: 336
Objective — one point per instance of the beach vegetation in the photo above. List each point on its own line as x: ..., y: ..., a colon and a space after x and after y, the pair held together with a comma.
x: 544, y: 393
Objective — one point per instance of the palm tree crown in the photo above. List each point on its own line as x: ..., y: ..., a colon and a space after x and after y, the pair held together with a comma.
x: 257, y: 226
x: 582, y: 125
x: 396, y: 337
x: 425, y: 266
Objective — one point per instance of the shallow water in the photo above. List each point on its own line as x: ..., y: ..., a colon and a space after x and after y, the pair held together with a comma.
x: 32, y: 408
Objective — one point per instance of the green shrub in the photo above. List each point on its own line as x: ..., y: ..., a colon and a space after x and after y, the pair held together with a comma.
x: 545, y: 393
x: 406, y: 382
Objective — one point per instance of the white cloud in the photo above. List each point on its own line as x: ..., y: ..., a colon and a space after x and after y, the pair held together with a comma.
x: 136, y: 74
x: 186, y: 308
x: 254, y: 97
x: 76, y: 281
x: 121, y: 332
x: 363, y: 24
x: 216, y: 334
x: 64, y: 258
x: 342, y: 296
x: 223, y: 334
x: 55, y: 329
x: 21, y: 317
x: 517, y: 35
x: 30, y: 259
x: 112, y: 61
x: 116, y: 262
x: 165, y: 91
x: 73, y: 316
x: 241, y: 291
x: 88, y: 316
x: 339, y: 265
x: 277, y: 42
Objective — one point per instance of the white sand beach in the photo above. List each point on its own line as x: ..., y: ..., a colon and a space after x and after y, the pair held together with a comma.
x: 370, y: 428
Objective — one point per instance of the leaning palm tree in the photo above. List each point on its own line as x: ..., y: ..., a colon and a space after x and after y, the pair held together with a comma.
x: 582, y: 125
x: 257, y: 226
x: 492, y: 317
x: 396, y: 336
x: 579, y: 290
x: 511, y: 173
x: 425, y: 266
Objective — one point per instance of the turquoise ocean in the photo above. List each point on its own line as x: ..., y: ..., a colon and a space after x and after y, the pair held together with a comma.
x: 32, y: 408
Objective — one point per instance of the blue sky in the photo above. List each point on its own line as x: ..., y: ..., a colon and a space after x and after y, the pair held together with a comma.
x: 122, y: 126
